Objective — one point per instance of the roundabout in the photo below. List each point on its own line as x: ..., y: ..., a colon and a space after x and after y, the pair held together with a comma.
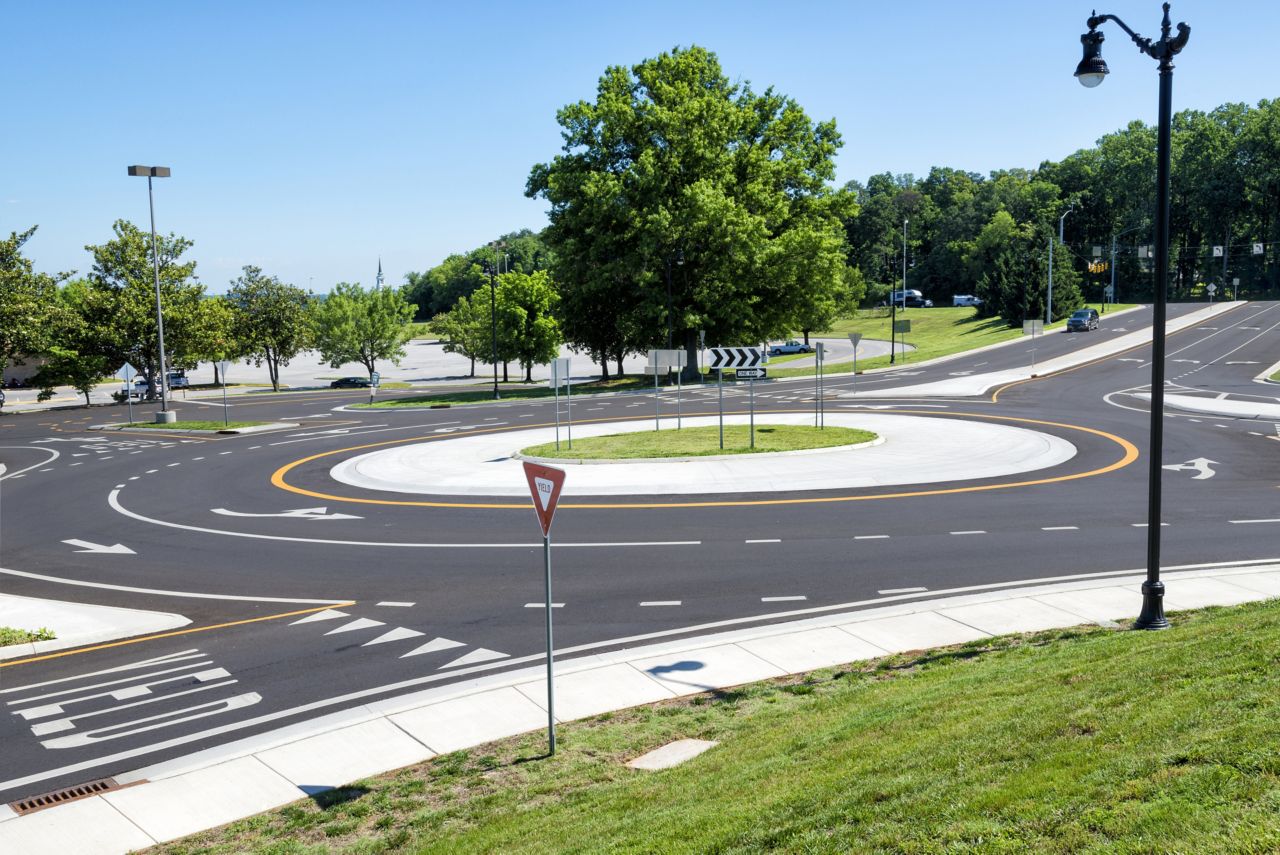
x: 909, y: 449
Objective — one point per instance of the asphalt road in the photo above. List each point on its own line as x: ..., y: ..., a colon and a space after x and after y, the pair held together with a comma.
x: 453, y: 582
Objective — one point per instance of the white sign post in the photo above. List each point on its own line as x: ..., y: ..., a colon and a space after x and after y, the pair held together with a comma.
x: 126, y: 374
x: 818, y: 414
x: 223, y: 365
x: 545, y: 483
x: 662, y: 361
x: 1033, y: 329
x: 745, y: 359
x: 1212, y: 289
x: 854, y: 339
x: 559, y: 376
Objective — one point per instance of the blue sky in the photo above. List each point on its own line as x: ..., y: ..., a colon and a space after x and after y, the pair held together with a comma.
x: 312, y: 138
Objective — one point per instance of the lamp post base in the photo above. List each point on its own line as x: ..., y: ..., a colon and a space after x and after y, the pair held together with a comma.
x: 1152, y: 616
x: 166, y: 417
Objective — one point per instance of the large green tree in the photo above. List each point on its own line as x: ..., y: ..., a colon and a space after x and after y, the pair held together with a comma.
x: 527, y: 304
x: 122, y: 294
x: 30, y: 312
x: 696, y: 202
x: 269, y: 319
x: 355, y: 325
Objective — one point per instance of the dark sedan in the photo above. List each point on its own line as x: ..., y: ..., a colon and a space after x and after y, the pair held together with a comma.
x: 350, y: 383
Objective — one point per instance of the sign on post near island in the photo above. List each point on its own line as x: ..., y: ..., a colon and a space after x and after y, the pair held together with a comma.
x: 735, y: 357
x: 544, y: 486
x: 750, y: 373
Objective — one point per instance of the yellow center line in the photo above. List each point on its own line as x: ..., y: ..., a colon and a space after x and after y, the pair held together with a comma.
x: 157, y: 636
x: 1130, y: 454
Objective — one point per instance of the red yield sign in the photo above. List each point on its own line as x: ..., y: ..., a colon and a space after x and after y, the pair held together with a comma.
x: 544, y: 485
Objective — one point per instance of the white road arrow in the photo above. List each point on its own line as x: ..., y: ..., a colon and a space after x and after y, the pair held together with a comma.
x: 87, y: 546
x: 335, y: 431
x: 1192, y: 361
x: 1200, y: 466
x: 296, y: 513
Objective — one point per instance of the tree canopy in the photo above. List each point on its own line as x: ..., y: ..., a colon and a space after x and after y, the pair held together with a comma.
x: 689, y: 202
x: 269, y: 320
x: 355, y: 325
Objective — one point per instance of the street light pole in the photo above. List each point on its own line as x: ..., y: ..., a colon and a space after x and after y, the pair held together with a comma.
x: 156, y: 172
x: 1090, y: 72
x: 893, y: 304
x: 1048, y: 309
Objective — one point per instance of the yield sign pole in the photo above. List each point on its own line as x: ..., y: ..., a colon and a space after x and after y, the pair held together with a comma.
x: 545, y: 483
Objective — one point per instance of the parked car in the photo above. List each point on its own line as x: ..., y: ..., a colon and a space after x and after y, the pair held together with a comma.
x: 911, y: 299
x: 1083, y: 320
x: 178, y: 380
x: 350, y: 383
x: 791, y: 346
x: 965, y: 300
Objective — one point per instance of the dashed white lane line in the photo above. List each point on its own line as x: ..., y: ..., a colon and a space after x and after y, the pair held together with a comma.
x: 136, y: 452
x: 44, y: 470
x: 171, y: 465
x: 194, y: 459
x: 888, y: 591
x: 765, y: 540
x: 527, y: 416
x: 396, y: 604
x: 871, y: 537
x: 1060, y: 528
x: 975, y: 531
x: 134, y: 477
x: 119, y: 486
x: 81, y: 463
x: 1247, y: 522
x: 782, y: 599
x: 152, y: 471
x: 224, y: 452
x: 105, y: 457
x: 252, y: 447
x: 661, y: 603
x: 543, y: 605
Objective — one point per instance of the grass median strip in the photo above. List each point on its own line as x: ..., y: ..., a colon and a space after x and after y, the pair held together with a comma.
x: 10, y: 635
x: 701, y: 442
x: 1086, y: 739
x: 507, y: 393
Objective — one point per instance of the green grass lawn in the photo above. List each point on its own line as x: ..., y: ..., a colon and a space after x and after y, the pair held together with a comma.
x: 934, y: 333
x: 1276, y: 376
x: 1084, y: 740
x: 9, y: 635
x: 701, y: 442
x: 509, y: 393
x: 195, y: 425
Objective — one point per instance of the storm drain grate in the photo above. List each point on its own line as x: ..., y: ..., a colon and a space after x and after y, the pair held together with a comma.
x: 66, y: 794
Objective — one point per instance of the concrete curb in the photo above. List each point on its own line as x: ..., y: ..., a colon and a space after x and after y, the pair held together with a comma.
x: 116, y: 426
x: 78, y: 623
x: 174, y: 798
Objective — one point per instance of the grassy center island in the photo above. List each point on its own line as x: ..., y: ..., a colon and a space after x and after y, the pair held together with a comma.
x: 700, y: 442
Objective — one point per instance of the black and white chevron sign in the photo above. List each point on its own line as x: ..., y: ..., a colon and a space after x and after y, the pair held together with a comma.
x: 735, y: 357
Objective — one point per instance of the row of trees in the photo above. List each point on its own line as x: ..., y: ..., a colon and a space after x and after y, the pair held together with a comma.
x: 970, y: 234
x: 84, y: 329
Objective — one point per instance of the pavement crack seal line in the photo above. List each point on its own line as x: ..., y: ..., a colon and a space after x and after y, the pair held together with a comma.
x: 1130, y: 454
x: 360, y: 695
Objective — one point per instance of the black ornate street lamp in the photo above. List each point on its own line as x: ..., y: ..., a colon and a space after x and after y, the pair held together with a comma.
x: 1091, y: 71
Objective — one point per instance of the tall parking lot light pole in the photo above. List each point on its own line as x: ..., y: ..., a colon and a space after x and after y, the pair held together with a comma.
x: 156, y: 172
x: 1048, y: 309
x: 1091, y: 71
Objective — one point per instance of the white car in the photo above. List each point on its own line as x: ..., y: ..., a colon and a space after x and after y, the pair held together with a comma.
x: 792, y: 346
x: 965, y: 300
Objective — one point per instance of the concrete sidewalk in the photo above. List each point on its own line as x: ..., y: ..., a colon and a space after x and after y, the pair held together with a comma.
x: 172, y: 799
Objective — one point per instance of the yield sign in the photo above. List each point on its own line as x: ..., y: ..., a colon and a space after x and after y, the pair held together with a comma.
x: 544, y: 485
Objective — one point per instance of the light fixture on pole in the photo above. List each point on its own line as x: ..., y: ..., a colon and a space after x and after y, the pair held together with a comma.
x: 1091, y: 71
x: 1048, y: 309
x: 164, y: 416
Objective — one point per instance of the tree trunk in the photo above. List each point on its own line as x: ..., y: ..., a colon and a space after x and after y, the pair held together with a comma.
x: 505, y: 378
x: 528, y: 372
x: 473, y: 366
x: 618, y: 358
x: 604, y: 365
x: 217, y: 381
x: 806, y: 337
x: 690, y: 374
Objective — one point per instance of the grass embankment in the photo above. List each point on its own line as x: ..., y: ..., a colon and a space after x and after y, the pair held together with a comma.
x: 195, y: 425
x: 701, y: 442
x: 509, y: 393
x: 1083, y: 740
x: 934, y: 333
x: 10, y: 635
